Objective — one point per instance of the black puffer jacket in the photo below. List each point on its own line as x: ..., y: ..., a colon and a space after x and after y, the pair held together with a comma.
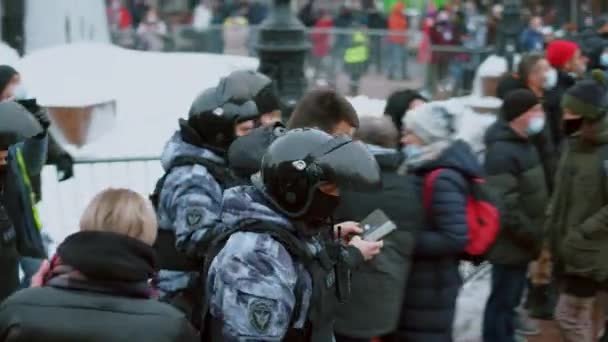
x: 434, y: 282
x: 379, y: 285
x: 515, y: 173
x: 97, y: 290
x: 553, y: 106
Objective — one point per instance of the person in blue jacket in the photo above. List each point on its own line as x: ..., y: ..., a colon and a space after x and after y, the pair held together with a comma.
x: 532, y: 38
x: 428, y: 309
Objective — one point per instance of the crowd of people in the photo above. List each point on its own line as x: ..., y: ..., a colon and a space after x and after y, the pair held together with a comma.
x: 258, y: 228
x: 356, y: 38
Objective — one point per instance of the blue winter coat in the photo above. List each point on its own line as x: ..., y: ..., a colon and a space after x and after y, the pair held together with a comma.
x: 430, y: 298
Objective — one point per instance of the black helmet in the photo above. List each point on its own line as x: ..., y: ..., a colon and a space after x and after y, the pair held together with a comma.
x: 245, y: 154
x: 16, y: 124
x: 213, y: 116
x: 259, y: 87
x: 298, y: 161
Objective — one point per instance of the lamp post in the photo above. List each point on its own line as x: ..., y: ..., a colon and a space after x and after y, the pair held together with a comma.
x: 282, y: 48
x: 13, y: 15
x: 510, y: 30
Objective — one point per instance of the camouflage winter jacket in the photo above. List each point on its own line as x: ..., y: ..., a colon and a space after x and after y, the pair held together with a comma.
x: 251, y: 282
x: 189, y: 204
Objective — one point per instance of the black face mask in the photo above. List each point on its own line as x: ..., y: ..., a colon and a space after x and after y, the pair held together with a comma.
x: 322, y: 207
x: 572, y: 126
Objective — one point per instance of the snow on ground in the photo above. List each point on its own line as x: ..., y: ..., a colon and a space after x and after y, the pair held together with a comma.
x: 151, y: 90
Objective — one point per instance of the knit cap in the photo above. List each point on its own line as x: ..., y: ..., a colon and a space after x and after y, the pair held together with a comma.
x: 431, y: 122
x: 517, y: 102
x: 559, y: 52
x: 588, y: 98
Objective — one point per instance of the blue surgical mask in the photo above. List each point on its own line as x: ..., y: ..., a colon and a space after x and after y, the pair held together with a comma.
x: 411, y: 151
x: 535, y: 125
x: 604, y: 60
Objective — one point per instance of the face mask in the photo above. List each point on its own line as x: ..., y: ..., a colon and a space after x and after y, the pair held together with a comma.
x: 604, y: 60
x: 411, y: 151
x: 572, y: 126
x: 20, y: 93
x: 535, y: 125
x: 322, y: 207
x: 550, y: 79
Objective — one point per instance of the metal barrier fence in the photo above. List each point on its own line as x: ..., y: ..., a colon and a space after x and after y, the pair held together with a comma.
x: 395, y: 61
x: 63, y: 203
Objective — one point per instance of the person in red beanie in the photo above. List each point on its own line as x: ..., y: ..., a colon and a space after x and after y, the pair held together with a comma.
x: 566, y: 57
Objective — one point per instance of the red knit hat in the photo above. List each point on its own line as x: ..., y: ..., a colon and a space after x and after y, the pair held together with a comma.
x: 559, y: 52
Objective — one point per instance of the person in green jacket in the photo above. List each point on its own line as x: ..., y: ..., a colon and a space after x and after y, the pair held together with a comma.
x: 577, y: 219
x: 356, y: 57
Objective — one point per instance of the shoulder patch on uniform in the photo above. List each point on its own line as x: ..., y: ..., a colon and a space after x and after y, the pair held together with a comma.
x: 260, y: 315
x: 194, y: 217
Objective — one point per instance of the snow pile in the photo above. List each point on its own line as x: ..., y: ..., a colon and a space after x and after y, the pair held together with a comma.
x: 151, y: 90
x: 8, y: 55
x: 366, y: 106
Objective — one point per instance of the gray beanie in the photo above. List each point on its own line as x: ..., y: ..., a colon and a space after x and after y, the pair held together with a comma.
x: 431, y: 122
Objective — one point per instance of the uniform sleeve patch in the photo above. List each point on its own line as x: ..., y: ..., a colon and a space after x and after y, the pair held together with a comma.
x: 261, y: 315
x: 194, y: 218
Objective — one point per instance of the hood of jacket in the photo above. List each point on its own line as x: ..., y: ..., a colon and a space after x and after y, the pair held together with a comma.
x: 176, y: 147
x: 501, y: 131
x: 245, y: 203
x: 458, y: 156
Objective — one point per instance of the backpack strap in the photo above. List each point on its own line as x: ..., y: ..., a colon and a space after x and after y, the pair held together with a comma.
x: 427, y: 189
x: 219, y: 172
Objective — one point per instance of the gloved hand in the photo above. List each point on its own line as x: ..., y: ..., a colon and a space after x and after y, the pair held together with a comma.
x: 65, y: 167
x: 43, y: 118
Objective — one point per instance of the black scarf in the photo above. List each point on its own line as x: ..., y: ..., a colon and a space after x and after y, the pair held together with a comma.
x: 104, y: 262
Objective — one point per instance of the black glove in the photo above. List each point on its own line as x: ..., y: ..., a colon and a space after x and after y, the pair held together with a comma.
x: 43, y: 118
x: 65, y: 167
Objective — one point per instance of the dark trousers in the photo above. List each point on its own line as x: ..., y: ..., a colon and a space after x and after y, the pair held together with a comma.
x: 508, y: 284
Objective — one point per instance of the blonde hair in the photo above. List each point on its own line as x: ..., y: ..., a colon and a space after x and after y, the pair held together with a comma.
x: 121, y: 211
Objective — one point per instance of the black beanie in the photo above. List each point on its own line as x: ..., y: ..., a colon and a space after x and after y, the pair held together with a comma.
x: 267, y: 100
x: 517, y: 102
x: 588, y: 98
x: 508, y: 84
x: 6, y: 74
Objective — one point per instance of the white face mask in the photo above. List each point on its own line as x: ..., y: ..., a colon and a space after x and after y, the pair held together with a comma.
x: 550, y: 79
x: 20, y: 93
x: 535, y: 126
x: 604, y: 60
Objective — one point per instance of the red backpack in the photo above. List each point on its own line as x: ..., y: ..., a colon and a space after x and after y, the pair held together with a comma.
x: 483, y: 217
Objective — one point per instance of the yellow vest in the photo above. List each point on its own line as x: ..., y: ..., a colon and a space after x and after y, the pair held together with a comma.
x: 358, y: 52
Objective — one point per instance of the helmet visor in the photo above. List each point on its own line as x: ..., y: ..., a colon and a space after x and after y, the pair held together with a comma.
x: 349, y: 164
x: 242, y: 112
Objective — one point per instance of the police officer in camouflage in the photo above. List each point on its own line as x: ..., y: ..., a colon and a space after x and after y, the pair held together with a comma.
x: 188, y: 196
x: 278, y: 272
